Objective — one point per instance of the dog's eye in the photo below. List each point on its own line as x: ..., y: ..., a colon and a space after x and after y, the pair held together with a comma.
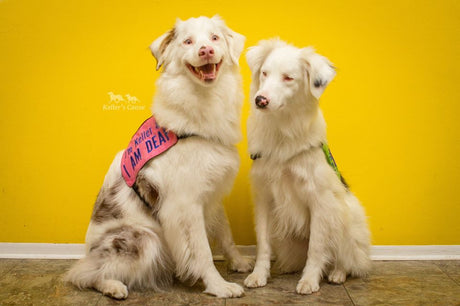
x: 264, y: 73
x: 188, y: 41
x: 287, y: 78
x: 215, y: 37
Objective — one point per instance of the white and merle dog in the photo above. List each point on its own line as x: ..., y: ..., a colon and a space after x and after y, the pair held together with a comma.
x: 139, y: 238
x: 304, y: 210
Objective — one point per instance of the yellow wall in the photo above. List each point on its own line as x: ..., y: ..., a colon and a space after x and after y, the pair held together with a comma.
x: 392, y: 111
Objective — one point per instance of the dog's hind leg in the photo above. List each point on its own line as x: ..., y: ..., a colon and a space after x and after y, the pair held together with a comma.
x: 112, y: 288
x: 337, y: 276
x: 185, y: 232
x: 91, y: 272
x: 126, y: 257
x: 356, y: 247
x: 224, y: 235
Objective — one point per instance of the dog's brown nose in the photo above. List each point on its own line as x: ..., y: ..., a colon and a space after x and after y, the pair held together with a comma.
x: 206, y: 52
x: 262, y: 102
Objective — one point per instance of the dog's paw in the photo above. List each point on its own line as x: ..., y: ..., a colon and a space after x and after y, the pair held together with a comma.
x: 255, y: 280
x: 242, y: 264
x: 225, y: 290
x: 307, y: 287
x: 114, y: 289
x: 337, y: 277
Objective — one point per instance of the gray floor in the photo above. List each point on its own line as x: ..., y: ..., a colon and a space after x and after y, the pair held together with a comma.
x: 37, y: 282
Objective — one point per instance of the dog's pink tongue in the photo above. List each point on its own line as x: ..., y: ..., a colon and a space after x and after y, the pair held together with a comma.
x: 208, y: 72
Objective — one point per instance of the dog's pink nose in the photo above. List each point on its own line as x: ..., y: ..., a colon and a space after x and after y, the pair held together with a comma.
x: 206, y: 52
x: 262, y: 102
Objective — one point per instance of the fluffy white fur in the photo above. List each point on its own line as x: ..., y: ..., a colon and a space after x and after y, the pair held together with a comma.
x: 130, y: 245
x: 304, y: 213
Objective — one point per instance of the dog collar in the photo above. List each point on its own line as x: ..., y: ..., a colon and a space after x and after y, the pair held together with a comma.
x: 327, y: 153
x: 150, y: 140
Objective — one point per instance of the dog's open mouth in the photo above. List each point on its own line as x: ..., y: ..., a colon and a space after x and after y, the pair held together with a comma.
x: 206, y: 73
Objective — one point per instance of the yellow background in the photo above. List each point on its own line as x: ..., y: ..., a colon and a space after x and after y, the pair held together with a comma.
x: 392, y: 111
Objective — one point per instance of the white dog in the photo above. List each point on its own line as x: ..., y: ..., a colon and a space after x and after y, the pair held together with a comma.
x: 139, y: 237
x: 303, y: 209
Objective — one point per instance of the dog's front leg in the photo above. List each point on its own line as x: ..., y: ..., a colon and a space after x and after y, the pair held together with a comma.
x: 223, y: 234
x: 324, y: 226
x: 258, y: 278
x: 185, y: 233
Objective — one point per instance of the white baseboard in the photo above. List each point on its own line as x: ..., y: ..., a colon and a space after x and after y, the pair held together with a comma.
x: 415, y: 252
x: 42, y: 250
x: 378, y: 252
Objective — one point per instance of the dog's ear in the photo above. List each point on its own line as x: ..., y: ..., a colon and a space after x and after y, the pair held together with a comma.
x: 320, y: 71
x: 256, y: 55
x: 160, y: 45
x: 235, y: 41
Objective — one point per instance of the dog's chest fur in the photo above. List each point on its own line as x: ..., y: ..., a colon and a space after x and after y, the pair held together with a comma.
x: 289, y: 212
